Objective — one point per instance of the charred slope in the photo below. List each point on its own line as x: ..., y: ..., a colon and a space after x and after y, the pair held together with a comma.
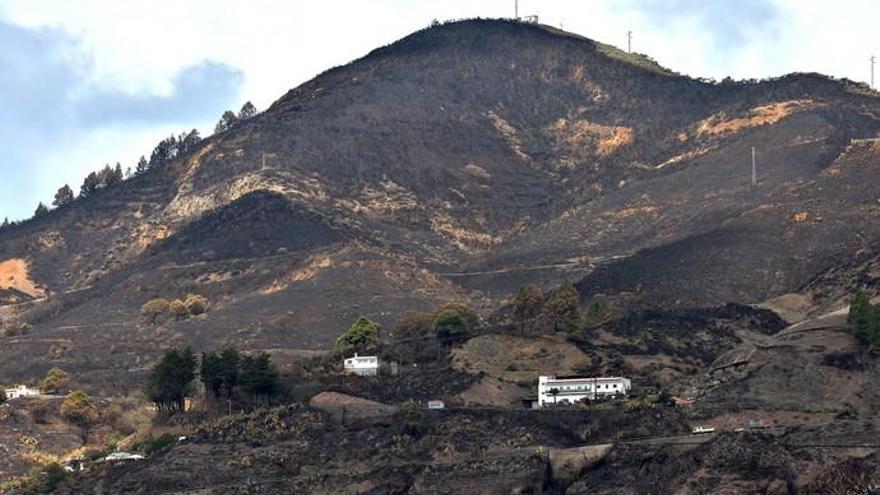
x: 458, y: 163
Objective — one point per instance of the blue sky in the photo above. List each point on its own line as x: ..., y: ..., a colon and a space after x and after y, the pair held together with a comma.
x: 89, y: 82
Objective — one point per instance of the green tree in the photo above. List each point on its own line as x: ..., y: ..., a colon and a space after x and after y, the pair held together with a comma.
x: 528, y: 304
x: 64, y: 196
x: 227, y: 121
x: 455, y: 320
x: 55, y: 381
x: 141, y: 166
x: 170, y: 380
x: 248, y: 111
x: 219, y: 372
x: 90, y: 184
x: 361, y: 335
x: 209, y: 374
x: 41, y: 210
x: 78, y: 409
x: 561, y: 308
x: 3, y: 397
x: 229, y: 369
x: 864, y: 320
x: 259, y: 377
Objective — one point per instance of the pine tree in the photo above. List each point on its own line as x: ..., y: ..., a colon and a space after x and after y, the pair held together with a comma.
x: 63, y: 196
x: 561, y: 308
x: 248, y: 111
x: 528, y: 304
x: 259, y: 377
x: 90, y: 184
x: 170, y: 380
x: 188, y: 140
x: 117, y: 176
x: 79, y: 410
x: 41, y: 210
x: 227, y: 121
x: 142, y: 166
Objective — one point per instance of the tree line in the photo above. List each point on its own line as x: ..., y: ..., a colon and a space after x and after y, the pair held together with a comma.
x: 165, y: 151
x: 226, y: 375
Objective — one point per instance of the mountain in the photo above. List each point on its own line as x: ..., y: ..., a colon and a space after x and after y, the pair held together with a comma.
x: 458, y: 163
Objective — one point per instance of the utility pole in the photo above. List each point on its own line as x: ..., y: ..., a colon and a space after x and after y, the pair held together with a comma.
x: 264, y: 159
x: 754, y: 169
x: 873, y: 61
x: 629, y: 41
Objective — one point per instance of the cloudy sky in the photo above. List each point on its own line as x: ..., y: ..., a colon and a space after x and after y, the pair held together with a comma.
x: 87, y: 82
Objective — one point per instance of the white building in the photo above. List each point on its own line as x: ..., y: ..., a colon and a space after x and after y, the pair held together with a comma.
x: 20, y: 391
x: 362, y: 365
x: 552, y: 390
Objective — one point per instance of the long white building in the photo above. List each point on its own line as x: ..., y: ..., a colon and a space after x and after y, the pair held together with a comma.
x: 20, y: 391
x: 362, y: 365
x: 552, y: 390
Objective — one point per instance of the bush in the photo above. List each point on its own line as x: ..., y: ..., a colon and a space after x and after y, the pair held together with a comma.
x: 196, y: 304
x: 177, y: 308
x: 151, y: 445
x: 598, y: 311
x: 154, y: 309
x: 41, y: 410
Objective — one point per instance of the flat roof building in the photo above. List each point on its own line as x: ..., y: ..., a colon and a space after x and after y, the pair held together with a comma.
x: 552, y: 390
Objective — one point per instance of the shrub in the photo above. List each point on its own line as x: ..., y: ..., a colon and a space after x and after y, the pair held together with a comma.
x: 154, y: 309
x: 177, y: 308
x: 196, y: 304
x: 413, y: 324
x: 598, y: 311
x: 151, y: 445
x: 41, y: 411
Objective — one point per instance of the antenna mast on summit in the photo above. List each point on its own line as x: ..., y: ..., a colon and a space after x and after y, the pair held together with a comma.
x: 629, y: 41
x: 873, y: 61
x: 516, y: 9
